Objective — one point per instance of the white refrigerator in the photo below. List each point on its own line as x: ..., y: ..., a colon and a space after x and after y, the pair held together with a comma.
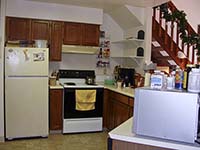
x: 26, y: 92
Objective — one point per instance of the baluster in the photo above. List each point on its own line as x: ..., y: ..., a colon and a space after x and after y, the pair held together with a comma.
x: 193, y: 54
x: 165, y: 36
x: 154, y: 18
x: 160, y: 22
x: 189, y: 32
x: 172, y: 35
x: 177, y: 36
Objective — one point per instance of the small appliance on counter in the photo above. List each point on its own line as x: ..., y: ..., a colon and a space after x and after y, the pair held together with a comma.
x: 127, y: 76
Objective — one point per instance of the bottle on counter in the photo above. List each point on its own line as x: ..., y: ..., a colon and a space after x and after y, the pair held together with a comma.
x: 178, y: 78
x: 171, y: 80
x: 194, y: 80
x: 157, y: 80
x: 186, y: 75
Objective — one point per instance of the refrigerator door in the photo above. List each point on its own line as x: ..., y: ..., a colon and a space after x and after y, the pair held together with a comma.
x: 166, y: 114
x: 26, y: 107
x: 26, y: 61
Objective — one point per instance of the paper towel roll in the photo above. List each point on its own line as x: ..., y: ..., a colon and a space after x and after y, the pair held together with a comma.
x: 147, y: 79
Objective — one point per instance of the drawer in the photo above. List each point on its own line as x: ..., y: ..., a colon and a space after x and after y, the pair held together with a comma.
x: 119, y: 97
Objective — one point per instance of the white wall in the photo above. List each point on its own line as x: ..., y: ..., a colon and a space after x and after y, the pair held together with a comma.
x: 30, y: 9
x: 2, y: 20
x: 191, y: 8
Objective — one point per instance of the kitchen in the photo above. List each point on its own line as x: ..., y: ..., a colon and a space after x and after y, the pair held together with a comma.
x: 69, y: 61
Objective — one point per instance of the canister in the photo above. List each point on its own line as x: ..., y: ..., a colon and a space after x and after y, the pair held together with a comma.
x: 194, y: 80
x: 52, y: 80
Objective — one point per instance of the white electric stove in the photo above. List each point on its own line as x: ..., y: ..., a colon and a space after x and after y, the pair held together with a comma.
x: 75, y: 121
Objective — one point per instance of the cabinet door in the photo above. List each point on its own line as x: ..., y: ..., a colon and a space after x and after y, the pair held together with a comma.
x: 56, y: 98
x: 90, y: 35
x: 105, y: 108
x: 121, y: 112
x: 40, y: 30
x: 118, y: 109
x: 17, y: 29
x: 131, y: 105
x: 56, y: 41
x: 72, y: 33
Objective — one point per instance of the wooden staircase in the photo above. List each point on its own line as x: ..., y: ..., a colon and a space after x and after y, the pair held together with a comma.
x: 168, y: 37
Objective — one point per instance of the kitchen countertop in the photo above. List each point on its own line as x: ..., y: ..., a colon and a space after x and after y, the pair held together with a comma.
x: 56, y: 86
x: 125, y: 91
x: 124, y: 133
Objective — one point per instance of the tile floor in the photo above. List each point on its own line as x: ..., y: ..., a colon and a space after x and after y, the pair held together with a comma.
x: 83, y: 141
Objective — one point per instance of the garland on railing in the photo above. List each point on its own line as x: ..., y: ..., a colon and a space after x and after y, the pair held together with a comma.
x: 180, y: 18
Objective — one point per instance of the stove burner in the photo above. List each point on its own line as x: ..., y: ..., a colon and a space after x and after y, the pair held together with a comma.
x: 70, y: 83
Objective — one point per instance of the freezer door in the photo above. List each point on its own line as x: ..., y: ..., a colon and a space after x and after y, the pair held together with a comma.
x: 26, y: 107
x: 26, y: 61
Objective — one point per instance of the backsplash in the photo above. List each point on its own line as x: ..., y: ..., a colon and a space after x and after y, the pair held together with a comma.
x: 82, y: 62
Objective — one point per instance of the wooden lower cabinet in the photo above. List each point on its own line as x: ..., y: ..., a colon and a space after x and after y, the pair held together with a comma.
x: 55, y: 109
x: 117, y: 109
x: 121, y: 145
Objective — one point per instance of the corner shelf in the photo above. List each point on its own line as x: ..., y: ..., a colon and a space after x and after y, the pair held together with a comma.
x: 132, y: 41
x: 137, y: 59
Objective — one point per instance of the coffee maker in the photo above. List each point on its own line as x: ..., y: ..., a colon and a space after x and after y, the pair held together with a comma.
x: 127, y: 76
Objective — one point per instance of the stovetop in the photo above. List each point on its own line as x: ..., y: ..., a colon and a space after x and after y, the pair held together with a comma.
x: 74, y: 83
x: 76, y: 78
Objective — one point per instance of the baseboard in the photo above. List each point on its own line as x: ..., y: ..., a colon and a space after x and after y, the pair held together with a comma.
x: 2, y: 139
x: 55, y: 131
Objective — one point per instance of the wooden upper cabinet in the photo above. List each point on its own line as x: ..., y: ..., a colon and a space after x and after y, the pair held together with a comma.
x: 72, y: 33
x: 56, y: 40
x: 90, y: 35
x: 81, y: 34
x: 17, y: 29
x: 40, y: 29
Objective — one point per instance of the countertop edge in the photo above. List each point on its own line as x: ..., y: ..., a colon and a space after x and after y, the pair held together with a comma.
x: 125, y: 91
x: 56, y: 87
x: 124, y: 133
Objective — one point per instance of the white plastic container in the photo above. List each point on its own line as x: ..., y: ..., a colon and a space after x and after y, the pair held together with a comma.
x: 170, y: 82
x: 157, y: 80
x: 41, y: 43
x: 194, y: 81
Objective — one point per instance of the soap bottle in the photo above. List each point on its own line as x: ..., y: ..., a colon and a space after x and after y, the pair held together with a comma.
x: 178, y: 78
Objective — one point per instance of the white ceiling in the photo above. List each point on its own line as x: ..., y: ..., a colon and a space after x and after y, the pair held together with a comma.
x: 107, y: 4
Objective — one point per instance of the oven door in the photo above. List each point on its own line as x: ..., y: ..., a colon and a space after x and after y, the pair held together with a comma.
x: 70, y: 111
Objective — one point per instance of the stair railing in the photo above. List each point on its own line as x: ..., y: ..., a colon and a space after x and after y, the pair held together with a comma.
x: 171, y: 36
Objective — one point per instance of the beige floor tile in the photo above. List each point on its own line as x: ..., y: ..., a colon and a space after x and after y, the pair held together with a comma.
x: 83, y: 141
